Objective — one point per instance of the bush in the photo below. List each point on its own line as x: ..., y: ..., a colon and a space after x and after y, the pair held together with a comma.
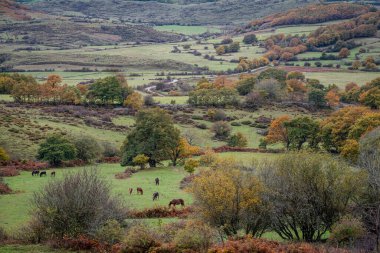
x: 221, y: 130
x: 140, y: 160
x: 237, y: 140
x: 3, y: 155
x: 88, y: 149
x: 148, y: 100
x: 250, y: 39
x: 4, y: 188
x: 111, y: 232
x: 235, y: 123
x: 33, y: 232
x: 346, y: 231
x: 196, y: 236
x: 140, y: 239
x: 208, y: 158
x: 9, y: 172
x: 80, y: 203
x: 3, y: 235
x: 109, y: 149
x: 190, y: 165
x: 202, y: 126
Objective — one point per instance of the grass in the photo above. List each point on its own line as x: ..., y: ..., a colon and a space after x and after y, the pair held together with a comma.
x: 187, y: 30
x: 342, y: 78
x: 179, y: 100
x: 29, y: 249
x: 12, y: 215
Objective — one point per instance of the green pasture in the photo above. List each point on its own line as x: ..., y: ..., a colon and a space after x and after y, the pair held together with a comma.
x: 342, y: 78
x: 15, y: 209
x: 187, y: 30
x: 5, y: 98
x: 15, y: 248
x: 179, y: 100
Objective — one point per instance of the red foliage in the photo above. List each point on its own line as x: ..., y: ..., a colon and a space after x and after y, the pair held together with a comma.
x: 24, y: 165
x: 161, y: 212
x: 9, y: 172
x: 114, y: 159
x: 223, y: 149
x: 80, y: 243
x: 249, y: 244
x: 4, y: 189
x: 123, y: 175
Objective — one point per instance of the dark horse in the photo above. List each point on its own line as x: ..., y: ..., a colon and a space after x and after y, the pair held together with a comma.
x: 156, y: 196
x: 157, y: 180
x: 52, y: 174
x: 175, y: 202
x: 130, y: 191
x: 43, y: 173
x: 140, y: 190
x: 35, y: 172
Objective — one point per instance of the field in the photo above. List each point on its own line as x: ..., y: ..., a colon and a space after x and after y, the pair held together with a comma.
x: 343, y: 78
x: 187, y: 30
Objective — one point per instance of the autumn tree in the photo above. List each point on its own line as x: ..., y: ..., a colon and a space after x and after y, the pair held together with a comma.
x: 344, y: 53
x: 356, y: 65
x: 182, y: 151
x: 309, y: 193
x: 190, y: 165
x: 231, y: 201
x: 154, y: 136
x: 134, y: 101
x: 3, y: 155
x: 332, y: 98
x: 277, y: 131
x: 140, y: 160
x: 371, y: 98
x: 336, y: 127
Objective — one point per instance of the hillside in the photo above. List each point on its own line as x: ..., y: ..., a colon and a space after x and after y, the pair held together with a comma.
x: 221, y: 12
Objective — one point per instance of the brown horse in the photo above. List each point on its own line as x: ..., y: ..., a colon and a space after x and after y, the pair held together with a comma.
x: 52, y: 174
x: 130, y: 191
x: 140, y: 190
x: 157, y: 180
x: 175, y: 202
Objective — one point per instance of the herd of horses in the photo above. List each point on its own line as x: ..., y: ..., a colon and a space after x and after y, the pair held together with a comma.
x: 42, y: 173
x: 139, y: 190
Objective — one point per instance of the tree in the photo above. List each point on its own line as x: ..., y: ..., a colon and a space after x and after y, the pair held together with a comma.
x: 254, y: 100
x: 277, y: 131
x: 237, y: 140
x: 369, y: 203
x: 317, y: 98
x: 190, y: 165
x: 182, y: 150
x: 250, y: 38
x: 78, y: 204
x: 153, y: 136
x: 350, y: 150
x: 87, y: 148
x: 295, y: 75
x: 245, y: 85
x: 356, y: 65
x: 271, y: 88
x: 3, y: 155
x: 309, y: 193
x: 56, y: 149
x: 371, y: 98
x: 140, y: 160
x: 220, y: 50
x: 332, y: 98
x: 364, y: 124
x: 221, y: 130
x: 301, y: 130
x: 336, y: 127
x: 231, y: 200
x: 134, y: 101
x: 344, y: 53
x: 109, y: 90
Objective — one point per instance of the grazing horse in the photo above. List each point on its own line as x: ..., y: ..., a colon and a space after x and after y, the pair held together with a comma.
x: 157, y: 180
x: 130, y: 191
x: 43, y: 173
x: 175, y: 202
x: 52, y: 174
x: 35, y: 172
x: 156, y: 196
x: 140, y: 190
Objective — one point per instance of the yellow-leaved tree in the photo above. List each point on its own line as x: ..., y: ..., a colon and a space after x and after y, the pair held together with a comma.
x: 182, y: 151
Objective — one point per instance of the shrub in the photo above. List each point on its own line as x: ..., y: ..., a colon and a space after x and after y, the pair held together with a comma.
x: 111, y: 232
x: 88, y: 149
x: 202, y: 126
x: 196, y: 236
x: 80, y: 203
x: 160, y: 212
x: 9, y: 172
x: 109, y: 149
x: 3, y: 235
x: 246, y: 122
x: 140, y: 160
x: 33, y: 232
x: 346, y: 231
x: 148, y: 100
x: 190, y: 165
x: 123, y: 175
x: 250, y: 39
x: 221, y: 130
x: 140, y: 239
x: 237, y: 140
x: 208, y: 158
x: 235, y: 123
x: 4, y: 188
x: 3, y: 155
